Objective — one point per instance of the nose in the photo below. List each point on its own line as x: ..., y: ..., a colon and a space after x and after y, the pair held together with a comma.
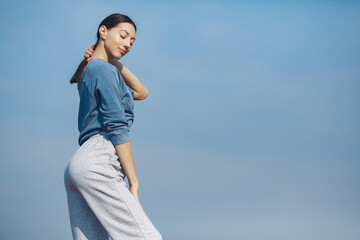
x: 127, y: 44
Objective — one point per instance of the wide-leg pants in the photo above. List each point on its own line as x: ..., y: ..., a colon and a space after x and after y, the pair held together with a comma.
x: 99, y: 203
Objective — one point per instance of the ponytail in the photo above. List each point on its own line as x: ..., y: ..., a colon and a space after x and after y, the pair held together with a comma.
x: 77, y: 75
x: 79, y: 71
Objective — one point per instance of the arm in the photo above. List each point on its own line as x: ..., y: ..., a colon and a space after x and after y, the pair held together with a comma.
x: 140, y: 92
x: 112, y: 110
x: 126, y: 157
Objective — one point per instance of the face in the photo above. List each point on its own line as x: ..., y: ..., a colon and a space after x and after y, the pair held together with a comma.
x: 119, y: 39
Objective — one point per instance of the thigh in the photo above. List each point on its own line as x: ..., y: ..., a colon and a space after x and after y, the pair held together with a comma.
x: 84, y: 224
x: 135, y: 213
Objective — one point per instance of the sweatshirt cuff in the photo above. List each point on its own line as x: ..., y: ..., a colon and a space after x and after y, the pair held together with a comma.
x: 119, y: 137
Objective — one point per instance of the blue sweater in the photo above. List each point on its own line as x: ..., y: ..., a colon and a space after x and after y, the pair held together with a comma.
x: 106, y: 103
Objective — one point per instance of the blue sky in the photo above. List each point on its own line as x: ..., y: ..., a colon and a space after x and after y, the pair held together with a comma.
x: 250, y: 130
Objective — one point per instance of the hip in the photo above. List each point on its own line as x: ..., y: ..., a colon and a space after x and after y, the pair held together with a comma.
x: 97, y: 155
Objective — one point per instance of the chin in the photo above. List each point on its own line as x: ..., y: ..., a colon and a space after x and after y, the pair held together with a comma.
x: 117, y: 57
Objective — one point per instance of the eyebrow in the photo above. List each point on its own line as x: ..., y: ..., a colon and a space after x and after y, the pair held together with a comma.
x: 127, y: 33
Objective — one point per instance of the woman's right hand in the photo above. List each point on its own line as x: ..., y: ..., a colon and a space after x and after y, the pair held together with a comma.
x: 89, y: 52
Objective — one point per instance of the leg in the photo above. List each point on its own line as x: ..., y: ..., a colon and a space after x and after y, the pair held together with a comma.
x: 95, y: 174
x: 84, y: 224
x: 119, y: 212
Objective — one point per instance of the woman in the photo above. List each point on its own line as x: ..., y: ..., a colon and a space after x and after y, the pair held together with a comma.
x: 100, y: 205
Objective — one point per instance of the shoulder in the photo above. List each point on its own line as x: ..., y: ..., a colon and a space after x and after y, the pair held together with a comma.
x: 103, y: 72
x: 99, y: 66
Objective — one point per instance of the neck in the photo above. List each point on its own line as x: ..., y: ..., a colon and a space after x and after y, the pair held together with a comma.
x: 100, y: 52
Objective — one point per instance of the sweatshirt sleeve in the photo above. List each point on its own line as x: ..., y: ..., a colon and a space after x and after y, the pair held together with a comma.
x: 111, y: 108
x: 132, y: 92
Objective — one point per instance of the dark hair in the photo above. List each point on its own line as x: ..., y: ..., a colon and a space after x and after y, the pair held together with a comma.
x: 109, y: 22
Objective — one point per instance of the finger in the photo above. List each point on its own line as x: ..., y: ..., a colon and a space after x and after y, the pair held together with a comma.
x: 90, y: 49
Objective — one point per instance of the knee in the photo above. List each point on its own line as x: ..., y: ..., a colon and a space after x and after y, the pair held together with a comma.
x: 158, y: 236
x: 154, y: 235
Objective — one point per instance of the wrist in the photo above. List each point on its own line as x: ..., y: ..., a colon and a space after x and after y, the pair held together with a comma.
x: 133, y: 184
x: 112, y: 61
x: 117, y: 64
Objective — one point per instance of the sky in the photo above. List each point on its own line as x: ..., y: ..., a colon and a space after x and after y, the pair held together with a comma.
x: 250, y: 129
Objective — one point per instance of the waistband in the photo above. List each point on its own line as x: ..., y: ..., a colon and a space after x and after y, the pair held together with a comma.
x: 104, y: 134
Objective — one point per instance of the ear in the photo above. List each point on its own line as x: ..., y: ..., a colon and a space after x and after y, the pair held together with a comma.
x: 103, y: 31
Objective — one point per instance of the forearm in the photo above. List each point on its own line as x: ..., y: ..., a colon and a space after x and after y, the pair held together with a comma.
x: 126, y: 158
x: 140, y: 92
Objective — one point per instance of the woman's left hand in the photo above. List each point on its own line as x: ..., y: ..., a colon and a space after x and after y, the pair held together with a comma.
x: 134, y: 191
x: 89, y: 52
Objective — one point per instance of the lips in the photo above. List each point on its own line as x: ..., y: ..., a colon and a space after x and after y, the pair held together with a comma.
x: 122, y: 51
